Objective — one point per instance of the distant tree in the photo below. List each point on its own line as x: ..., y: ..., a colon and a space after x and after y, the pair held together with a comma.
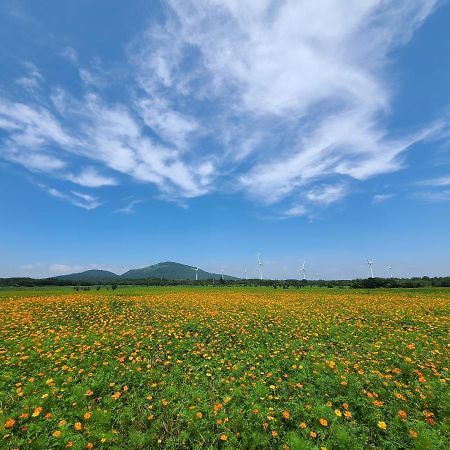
x: 114, y: 286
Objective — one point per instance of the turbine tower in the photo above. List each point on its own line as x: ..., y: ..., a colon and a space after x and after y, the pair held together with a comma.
x: 370, y: 267
x: 303, y: 270
x: 195, y: 269
x: 390, y: 271
x: 260, y: 267
x: 221, y: 276
x: 245, y: 271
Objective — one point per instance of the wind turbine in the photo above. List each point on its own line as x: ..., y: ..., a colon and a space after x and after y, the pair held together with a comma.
x: 260, y: 267
x: 370, y: 266
x: 303, y: 270
x: 195, y: 269
x: 221, y: 276
x: 390, y: 271
x: 245, y: 271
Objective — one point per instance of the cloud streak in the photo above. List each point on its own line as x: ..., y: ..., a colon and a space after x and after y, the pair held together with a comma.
x: 276, y: 100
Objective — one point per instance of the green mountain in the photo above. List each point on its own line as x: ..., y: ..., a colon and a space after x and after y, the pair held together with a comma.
x: 89, y: 275
x: 172, y: 271
x: 166, y: 270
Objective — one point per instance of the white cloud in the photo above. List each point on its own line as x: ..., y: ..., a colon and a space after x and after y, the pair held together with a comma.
x: 33, y: 79
x: 441, y: 196
x: 129, y: 208
x: 82, y: 200
x: 85, y: 201
x: 89, y: 177
x: 305, y: 81
x: 64, y: 269
x: 278, y: 100
x: 90, y: 78
x: 326, y: 194
x: 380, y: 198
x: 70, y: 54
x: 296, y: 211
x: 437, y: 182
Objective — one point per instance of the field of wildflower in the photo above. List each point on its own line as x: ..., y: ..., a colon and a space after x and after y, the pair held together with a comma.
x: 249, y: 368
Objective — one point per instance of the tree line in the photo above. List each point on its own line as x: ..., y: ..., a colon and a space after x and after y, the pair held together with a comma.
x: 367, y: 283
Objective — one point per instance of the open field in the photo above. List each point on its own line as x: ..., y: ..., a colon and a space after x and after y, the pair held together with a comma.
x: 224, y: 368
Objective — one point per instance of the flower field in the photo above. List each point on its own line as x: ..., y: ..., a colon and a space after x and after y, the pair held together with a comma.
x: 225, y: 368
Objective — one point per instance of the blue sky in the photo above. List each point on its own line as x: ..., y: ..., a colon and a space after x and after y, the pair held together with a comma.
x: 207, y: 132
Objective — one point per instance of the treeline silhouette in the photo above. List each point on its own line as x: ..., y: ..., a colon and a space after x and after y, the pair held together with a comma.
x: 367, y: 283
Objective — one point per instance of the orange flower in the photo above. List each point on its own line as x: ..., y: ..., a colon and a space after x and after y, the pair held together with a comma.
x: 323, y: 422
x: 312, y: 435
x: 23, y: 415
x: 36, y: 411
x: 223, y: 437
x: 402, y: 414
x: 62, y: 423
x: 286, y: 414
x: 87, y: 415
x: 347, y: 414
x: 274, y: 433
x: 78, y: 426
x: 116, y: 395
x: 150, y: 397
x: 412, y: 433
x: 89, y: 393
x: 89, y: 445
x: 56, y: 434
x: 199, y: 415
x: 164, y: 402
x: 69, y: 444
x: 10, y: 423
x: 302, y: 425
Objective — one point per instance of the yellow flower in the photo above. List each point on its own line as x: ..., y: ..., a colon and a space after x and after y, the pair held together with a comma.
x: 382, y: 425
x: 78, y: 426
x: 337, y: 412
x: 412, y: 433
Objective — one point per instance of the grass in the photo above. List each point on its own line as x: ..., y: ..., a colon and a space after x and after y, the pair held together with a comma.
x: 194, y: 367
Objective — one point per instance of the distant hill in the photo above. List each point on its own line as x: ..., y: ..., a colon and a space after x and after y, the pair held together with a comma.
x: 172, y: 271
x: 166, y: 270
x: 89, y: 275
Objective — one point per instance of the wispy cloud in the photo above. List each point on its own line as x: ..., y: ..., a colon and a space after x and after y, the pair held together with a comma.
x: 129, y: 208
x: 32, y: 79
x: 380, y: 198
x: 90, y: 177
x: 82, y: 200
x: 437, y: 182
x: 277, y: 100
x: 434, y: 196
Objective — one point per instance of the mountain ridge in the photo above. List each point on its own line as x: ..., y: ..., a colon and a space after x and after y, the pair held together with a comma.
x: 167, y: 270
